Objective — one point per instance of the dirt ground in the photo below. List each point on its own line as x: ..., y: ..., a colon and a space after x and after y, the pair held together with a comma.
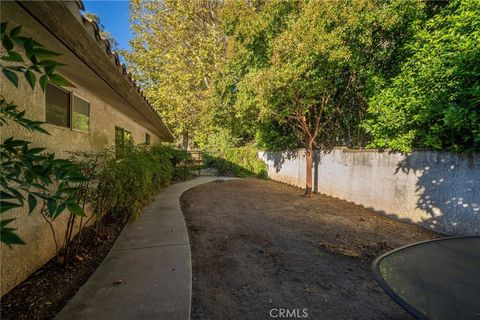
x: 42, y: 295
x: 259, y: 246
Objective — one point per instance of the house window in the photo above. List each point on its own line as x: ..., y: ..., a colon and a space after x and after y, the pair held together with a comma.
x: 119, y: 142
x: 122, y: 139
x: 80, y: 114
x: 57, y: 106
x: 65, y: 109
x: 128, y: 137
x: 147, y: 139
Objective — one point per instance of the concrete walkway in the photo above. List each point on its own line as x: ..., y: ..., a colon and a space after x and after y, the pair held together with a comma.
x: 147, y: 274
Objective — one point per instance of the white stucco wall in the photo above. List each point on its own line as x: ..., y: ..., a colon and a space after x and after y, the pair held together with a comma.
x: 438, y: 190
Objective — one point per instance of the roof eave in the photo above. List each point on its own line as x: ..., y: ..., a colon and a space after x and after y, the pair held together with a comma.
x: 83, y: 38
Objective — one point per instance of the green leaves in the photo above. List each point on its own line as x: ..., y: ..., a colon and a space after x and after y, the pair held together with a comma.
x: 13, y: 57
x: 7, y: 234
x: 15, y: 32
x: 5, y: 206
x: 7, y: 42
x: 41, y: 52
x: 239, y: 162
x: 38, y: 56
x: 59, y: 80
x: 9, y: 111
x: 43, y: 82
x: 12, y: 76
x: 75, y: 209
x: 433, y: 101
x: 28, y: 171
x: 31, y: 78
x: 51, y: 206
x: 35, y: 173
x: 176, y: 48
x: 125, y: 186
x: 32, y: 203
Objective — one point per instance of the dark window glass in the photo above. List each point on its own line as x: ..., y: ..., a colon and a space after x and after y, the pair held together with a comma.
x: 81, y: 114
x: 147, y: 139
x: 119, y: 142
x: 127, y: 137
x: 57, y: 106
x: 122, y: 139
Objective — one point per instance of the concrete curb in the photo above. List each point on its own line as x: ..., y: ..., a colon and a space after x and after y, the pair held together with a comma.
x: 147, y: 274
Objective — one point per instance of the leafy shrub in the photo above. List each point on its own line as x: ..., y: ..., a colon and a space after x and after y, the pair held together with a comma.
x: 182, y: 163
x: 237, y: 161
x: 126, y: 185
x: 434, y: 101
x: 30, y: 175
x: 275, y: 136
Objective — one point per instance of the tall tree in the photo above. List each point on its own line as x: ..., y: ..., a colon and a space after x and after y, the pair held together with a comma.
x: 176, y: 48
x: 320, y: 69
x: 435, y: 100
x: 250, y: 28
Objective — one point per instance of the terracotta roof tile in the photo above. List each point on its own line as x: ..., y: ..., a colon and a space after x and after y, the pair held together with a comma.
x: 113, y: 55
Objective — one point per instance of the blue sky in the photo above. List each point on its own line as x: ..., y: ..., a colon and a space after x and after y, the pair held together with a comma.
x: 114, y: 15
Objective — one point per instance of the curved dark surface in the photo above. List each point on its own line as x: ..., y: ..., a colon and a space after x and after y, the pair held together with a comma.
x: 435, y: 279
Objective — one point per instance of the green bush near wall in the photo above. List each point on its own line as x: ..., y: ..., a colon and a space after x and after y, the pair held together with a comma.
x: 237, y: 161
x: 126, y: 185
x: 182, y: 164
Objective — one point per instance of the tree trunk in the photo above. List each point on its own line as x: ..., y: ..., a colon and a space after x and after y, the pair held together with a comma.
x: 308, y: 168
x: 185, y: 140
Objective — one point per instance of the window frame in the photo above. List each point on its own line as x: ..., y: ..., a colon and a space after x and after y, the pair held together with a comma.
x: 71, y: 96
x: 148, y: 139
x: 125, y: 132
x: 69, y: 108
x: 119, y: 153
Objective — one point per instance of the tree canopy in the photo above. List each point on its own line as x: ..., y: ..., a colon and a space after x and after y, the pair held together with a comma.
x: 435, y: 100
x: 176, y: 52
x: 362, y: 73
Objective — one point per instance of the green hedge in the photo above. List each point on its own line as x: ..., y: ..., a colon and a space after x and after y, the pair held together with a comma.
x: 126, y: 185
x: 182, y: 164
x: 238, y: 161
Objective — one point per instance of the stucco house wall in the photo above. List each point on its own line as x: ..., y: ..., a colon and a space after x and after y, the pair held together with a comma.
x: 18, y: 262
x: 103, y: 119
x: 110, y: 106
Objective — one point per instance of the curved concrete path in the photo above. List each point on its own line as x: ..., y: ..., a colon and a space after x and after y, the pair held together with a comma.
x: 147, y: 274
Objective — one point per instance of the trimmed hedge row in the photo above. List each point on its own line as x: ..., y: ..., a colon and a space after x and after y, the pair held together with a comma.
x: 126, y: 185
x: 238, y: 161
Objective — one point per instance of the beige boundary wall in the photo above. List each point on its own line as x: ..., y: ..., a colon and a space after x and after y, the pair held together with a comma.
x: 438, y: 190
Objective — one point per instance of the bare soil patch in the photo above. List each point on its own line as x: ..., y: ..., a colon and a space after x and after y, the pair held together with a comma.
x: 47, y: 291
x: 259, y: 245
